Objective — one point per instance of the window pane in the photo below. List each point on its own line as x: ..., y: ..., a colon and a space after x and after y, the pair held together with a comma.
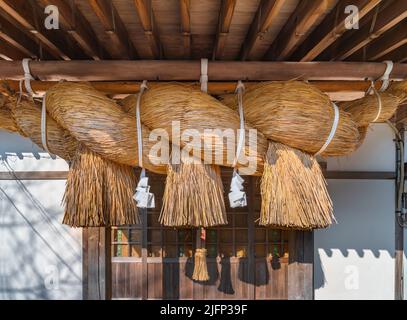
x: 226, y: 235
x: 241, y: 220
x: 170, y: 235
x: 211, y: 236
x: 185, y: 235
x: 260, y: 250
x: 152, y: 219
x: 212, y: 251
x: 121, y: 250
x: 274, y: 235
x: 241, y: 236
x: 260, y: 235
x: 135, y: 235
x: 154, y: 235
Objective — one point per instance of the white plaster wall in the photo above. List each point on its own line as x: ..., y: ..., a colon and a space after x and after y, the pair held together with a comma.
x: 354, y: 259
x: 39, y: 257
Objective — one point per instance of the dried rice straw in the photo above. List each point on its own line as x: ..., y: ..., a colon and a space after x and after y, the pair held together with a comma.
x: 399, y: 89
x: 99, y: 192
x: 298, y: 115
x: 366, y: 110
x: 200, y: 266
x: 193, y: 196
x: 293, y: 190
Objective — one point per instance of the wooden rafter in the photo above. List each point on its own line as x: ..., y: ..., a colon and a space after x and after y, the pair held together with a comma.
x: 265, y: 15
x: 190, y: 70
x: 114, y: 28
x: 8, y: 52
x: 24, y: 13
x: 78, y: 28
x: 331, y: 28
x: 185, y: 9
x: 399, y: 55
x: 146, y: 16
x: 385, y: 20
x: 387, y: 43
x: 225, y: 20
x: 294, y: 32
x: 18, y: 39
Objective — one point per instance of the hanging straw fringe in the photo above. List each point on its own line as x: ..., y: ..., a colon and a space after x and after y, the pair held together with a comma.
x: 200, y: 264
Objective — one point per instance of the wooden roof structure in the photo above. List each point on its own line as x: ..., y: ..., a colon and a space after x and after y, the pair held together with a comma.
x: 224, y: 31
x: 289, y: 30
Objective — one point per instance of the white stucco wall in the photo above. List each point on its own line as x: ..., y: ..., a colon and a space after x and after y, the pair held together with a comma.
x: 354, y: 259
x: 39, y: 257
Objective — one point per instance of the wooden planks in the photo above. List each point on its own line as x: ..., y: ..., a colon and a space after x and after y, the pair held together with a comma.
x: 97, y: 273
x: 26, y: 13
x: 114, y: 28
x: 185, y: 8
x: 386, y: 19
x: 300, y: 267
x: 78, y: 28
x: 177, y: 70
x: 296, y: 29
x: 265, y: 16
x: 331, y: 28
x: 225, y: 20
x: 146, y: 15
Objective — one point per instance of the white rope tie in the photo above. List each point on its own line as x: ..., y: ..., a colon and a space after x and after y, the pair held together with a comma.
x: 27, y: 76
x: 143, y: 196
x: 333, y: 130
x: 237, y: 196
x: 204, y: 75
x: 386, y: 75
x: 44, y: 138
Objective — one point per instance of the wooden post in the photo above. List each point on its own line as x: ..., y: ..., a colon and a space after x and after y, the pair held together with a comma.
x: 301, y: 265
x: 97, y: 262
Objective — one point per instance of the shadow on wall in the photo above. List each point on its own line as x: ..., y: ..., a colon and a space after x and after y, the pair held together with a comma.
x: 360, y: 247
x: 39, y: 257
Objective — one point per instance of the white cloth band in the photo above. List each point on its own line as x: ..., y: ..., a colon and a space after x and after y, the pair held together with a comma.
x: 204, y: 75
x: 379, y: 102
x: 386, y: 75
x: 138, y: 124
x: 27, y: 76
x: 239, y: 91
x: 333, y: 130
x: 44, y: 139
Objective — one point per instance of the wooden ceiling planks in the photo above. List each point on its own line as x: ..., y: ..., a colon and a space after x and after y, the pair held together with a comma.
x: 147, y: 19
x: 385, y: 16
x: 331, y: 28
x: 25, y: 14
x: 115, y: 29
x: 190, y: 29
x: 307, y: 15
x: 185, y: 8
x: 225, y: 20
x: 15, y: 37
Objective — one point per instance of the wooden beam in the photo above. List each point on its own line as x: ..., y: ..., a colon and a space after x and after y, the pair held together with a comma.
x: 330, y: 29
x: 399, y: 55
x: 115, y: 29
x: 97, y: 264
x: 185, y: 9
x: 225, y: 19
x: 189, y: 70
x: 24, y: 13
x: 386, y: 19
x: 294, y: 32
x: 18, y: 39
x: 388, y: 42
x: 267, y: 12
x: 78, y: 28
x: 215, y: 88
x: 146, y: 16
x: 301, y: 265
x: 10, y: 53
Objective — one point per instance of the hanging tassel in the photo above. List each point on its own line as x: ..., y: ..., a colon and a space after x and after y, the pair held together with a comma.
x: 200, y: 264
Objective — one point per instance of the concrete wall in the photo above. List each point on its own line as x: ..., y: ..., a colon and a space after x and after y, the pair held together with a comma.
x: 354, y: 259
x: 39, y: 257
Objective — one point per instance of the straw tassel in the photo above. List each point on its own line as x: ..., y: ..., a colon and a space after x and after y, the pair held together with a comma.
x: 200, y: 264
